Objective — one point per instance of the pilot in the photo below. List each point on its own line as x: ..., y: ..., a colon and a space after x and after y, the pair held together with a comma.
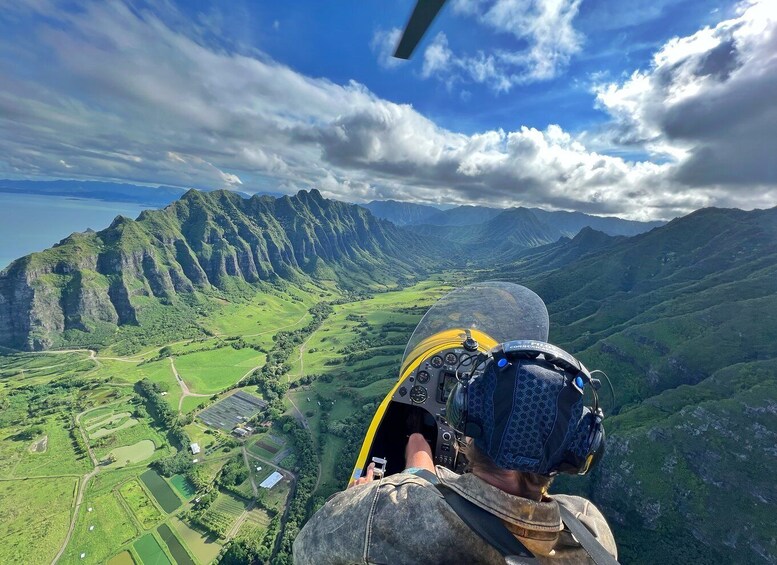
x: 500, y: 510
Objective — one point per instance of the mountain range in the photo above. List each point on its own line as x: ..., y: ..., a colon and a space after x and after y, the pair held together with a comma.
x: 92, y: 282
x: 559, y: 223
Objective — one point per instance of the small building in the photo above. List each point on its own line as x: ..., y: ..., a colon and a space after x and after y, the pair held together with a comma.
x: 240, y: 432
x: 272, y: 480
x: 249, y: 429
x: 195, y: 447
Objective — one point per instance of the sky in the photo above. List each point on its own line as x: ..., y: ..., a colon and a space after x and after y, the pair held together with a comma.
x: 644, y: 109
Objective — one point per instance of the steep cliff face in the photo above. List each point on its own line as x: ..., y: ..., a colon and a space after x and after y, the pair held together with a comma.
x: 203, y: 240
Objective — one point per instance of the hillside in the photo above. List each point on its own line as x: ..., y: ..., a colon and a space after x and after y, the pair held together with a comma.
x: 83, y: 288
x: 505, y: 234
x: 682, y: 320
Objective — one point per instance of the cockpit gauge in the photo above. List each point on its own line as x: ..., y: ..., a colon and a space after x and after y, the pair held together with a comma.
x: 437, y: 362
x: 418, y: 394
x: 422, y: 377
x: 451, y: 359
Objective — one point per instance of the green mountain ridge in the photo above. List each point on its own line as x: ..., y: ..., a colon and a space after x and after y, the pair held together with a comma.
x: 682, y: 320
x: 94, y: 281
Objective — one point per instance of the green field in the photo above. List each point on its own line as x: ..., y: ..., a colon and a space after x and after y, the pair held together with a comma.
x: 34, y: 518
x: 183, y: 486
x: 262, y: 317
x: 208, y: 372
x: 121, y: 506
x: 204, y: 547
x: 123, y: 558
x: 60, y: 458
x: 102, y: 531
x: 174, y: 545
x: 146, y: 513
x: 131, y: 454
x: 258, y: 446
x: 191, y: 403
x: 229, y: 504
x: 162, y: 491
x: 150, y: 552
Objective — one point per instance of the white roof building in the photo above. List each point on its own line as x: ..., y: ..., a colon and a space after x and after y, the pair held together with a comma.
x: 195, y: 447
x: 272, y: 480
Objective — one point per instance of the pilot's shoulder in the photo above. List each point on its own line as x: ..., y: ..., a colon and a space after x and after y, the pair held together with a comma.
x: 585, y: 511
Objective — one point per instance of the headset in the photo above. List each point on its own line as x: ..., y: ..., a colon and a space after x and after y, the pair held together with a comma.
x: 587, y: 447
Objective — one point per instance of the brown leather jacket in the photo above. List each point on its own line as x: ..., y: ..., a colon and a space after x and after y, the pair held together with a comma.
x: 404, y: 519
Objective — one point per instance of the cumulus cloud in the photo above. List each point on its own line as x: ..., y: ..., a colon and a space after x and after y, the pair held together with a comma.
x: 708, y: 102
x: 116, y: 93
x: 383, y: 44
x: 545, y: 40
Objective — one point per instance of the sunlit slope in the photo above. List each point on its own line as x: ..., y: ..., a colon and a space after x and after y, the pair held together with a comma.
x: 82, y: 289
x: 684, y: 320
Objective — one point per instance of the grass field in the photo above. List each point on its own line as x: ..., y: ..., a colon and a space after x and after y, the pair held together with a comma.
x: 204, y: 547
x: 34, y: 518
x: 263, y: 316
x: 60, y: 457
x: 208, y: 372
x: 110, y: 523
x: 123, y: 558
x: 144, y: 510
x: 150, y: 552
x: 191, y: 403
x: 131, y: 454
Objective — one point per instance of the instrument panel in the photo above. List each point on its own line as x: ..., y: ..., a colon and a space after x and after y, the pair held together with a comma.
x: 428, y: 388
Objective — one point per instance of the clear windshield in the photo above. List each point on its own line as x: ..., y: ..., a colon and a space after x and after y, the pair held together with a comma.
x: 504, y: 311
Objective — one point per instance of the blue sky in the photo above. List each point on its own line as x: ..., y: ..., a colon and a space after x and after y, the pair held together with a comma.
x: 644, y: 109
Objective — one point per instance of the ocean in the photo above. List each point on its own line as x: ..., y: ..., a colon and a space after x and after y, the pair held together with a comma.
x: 34, y: 222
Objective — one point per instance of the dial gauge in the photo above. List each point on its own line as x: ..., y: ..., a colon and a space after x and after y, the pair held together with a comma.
x: 418, y: 394
x: 422, y: 377
x: 436, y: 361
x: 451, y: 359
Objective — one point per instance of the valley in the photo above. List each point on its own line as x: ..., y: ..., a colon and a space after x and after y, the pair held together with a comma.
x: 96, y: 429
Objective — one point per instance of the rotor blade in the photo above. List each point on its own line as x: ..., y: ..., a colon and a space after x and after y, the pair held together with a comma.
x: 422, y: 17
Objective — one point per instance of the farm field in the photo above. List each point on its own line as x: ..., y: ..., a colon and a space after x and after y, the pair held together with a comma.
x: 177, y: 549
x: 144, y: 510
x: 182, y: 485
x: 150, y: 551
x: 162, y: 492
x: 264, y: 446
x: 355, y: 351
x: 123, y: 558
x: 204, y: 547
x: 229, y: 504
x: 209, y: 372
x: 34, y: 517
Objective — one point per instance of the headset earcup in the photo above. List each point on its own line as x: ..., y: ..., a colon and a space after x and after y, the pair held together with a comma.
x: 456, y: 407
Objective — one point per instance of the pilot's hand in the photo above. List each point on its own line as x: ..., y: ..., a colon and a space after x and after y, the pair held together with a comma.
x: 366, y: 478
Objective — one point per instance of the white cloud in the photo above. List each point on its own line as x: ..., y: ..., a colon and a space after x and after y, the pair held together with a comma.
x: 383, y: 44
x: 708, y: 102
x: 437, y: 57
x: 545, y: 41
x: 119, y: 94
